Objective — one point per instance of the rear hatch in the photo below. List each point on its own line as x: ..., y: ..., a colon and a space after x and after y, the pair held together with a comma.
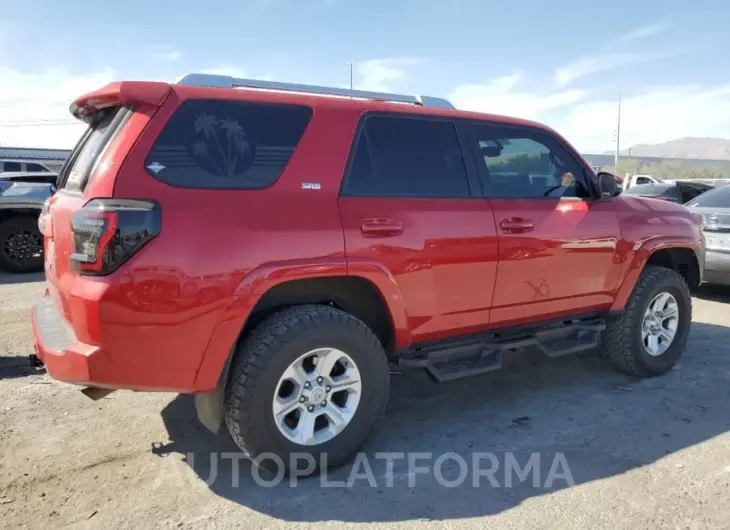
x: 80, y: 218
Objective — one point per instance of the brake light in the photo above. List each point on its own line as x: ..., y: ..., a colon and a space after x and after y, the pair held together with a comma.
x: 107, y: 232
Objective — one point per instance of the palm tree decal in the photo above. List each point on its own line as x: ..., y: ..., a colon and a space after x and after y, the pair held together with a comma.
x: 200, y: 150
x: 225, y: 144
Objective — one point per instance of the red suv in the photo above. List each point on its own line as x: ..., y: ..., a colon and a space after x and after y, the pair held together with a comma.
x: 271, y: 248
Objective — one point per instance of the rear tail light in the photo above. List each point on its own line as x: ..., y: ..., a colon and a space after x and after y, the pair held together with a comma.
x: 107, y: 232
x: 45, y: 226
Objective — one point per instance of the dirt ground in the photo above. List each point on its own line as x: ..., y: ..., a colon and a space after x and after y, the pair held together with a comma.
x: 641, y: 454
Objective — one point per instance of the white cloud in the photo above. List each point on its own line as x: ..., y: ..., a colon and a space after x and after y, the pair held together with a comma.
x: 588, y: 119
x: 172, y: 55
x: 609, y: 58
x: 164, y: 53
x: 642, y: 32
x: 34, y: 106
x: 381, y: 75
x: 656, y: 115
x: 504, y: 96
x: 601, y: 62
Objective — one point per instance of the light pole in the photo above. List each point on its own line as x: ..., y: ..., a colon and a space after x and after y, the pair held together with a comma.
x: 618, y: 130
x: 350, y: 64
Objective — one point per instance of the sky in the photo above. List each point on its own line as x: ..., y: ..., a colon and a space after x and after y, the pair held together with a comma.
x: 563, y: 62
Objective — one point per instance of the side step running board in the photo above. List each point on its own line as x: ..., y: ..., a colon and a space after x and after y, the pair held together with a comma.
x: 450, y: 359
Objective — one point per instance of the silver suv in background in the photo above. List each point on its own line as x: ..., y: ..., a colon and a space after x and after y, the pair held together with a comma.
x: 714, y: 206
x: 21, y: 199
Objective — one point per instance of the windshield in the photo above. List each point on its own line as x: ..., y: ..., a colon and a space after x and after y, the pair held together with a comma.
x: 716, y: 198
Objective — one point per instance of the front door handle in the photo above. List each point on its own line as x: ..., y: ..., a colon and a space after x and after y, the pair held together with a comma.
x: 381, y: 227
x: 515, y: 225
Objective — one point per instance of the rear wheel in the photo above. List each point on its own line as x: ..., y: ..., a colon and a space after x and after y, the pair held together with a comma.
x: 650, y: 336
x: 21, y: 245
x: 307, y: 383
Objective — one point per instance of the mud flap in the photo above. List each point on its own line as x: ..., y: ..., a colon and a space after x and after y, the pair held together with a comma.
x: 209, y: 405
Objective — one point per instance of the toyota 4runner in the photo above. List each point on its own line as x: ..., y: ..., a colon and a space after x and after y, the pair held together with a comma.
x: 274, y: 248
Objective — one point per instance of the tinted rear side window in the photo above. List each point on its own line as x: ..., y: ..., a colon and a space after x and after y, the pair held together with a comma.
x: 407, y: 157
x: 218, y: 144
x: 77, y: 170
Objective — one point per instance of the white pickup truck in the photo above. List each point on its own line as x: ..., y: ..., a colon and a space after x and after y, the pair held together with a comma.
x: 633, y: 180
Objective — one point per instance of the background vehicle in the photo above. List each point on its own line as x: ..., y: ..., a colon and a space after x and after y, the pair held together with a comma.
x: 637, y: 180
x: 272, y: 247
x: 21, y: 243
x: 44, y: 177
x: 714, y: 206
x: 680, y: 192
x: 20, y: 166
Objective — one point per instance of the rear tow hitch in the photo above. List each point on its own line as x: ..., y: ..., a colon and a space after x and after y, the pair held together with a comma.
x: 95, y: 393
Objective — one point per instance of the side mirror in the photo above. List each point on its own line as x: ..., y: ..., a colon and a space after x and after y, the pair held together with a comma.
x: 491, y: 151
x: 607, y: 185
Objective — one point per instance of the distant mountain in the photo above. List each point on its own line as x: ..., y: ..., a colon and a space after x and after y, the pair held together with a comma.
x: 701, y: 148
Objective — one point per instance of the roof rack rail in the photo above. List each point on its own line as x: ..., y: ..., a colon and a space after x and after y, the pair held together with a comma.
x: 224, y: 81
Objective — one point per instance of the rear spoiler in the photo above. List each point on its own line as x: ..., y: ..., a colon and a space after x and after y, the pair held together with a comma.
x: 120, y: 93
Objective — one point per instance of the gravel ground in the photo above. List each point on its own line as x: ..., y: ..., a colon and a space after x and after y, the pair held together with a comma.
x: 652, y: 453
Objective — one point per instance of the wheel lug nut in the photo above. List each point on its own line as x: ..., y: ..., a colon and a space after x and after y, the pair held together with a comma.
x: 307, y: 385
x: 320, y: 379
x: 302, y: 399
x: 328, y: 388
x: 310, y: 408
x: 324, y: 403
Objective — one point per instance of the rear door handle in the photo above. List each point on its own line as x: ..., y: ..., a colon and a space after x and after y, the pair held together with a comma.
x: 381, y: 227
x: 515, y: 225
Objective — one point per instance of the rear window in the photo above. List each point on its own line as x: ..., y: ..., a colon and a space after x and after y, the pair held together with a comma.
x: 81, y: 163
x: 717, y: 198
x: 219, y: 144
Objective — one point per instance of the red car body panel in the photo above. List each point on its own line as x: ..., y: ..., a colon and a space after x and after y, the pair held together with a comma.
x: 169, y: 318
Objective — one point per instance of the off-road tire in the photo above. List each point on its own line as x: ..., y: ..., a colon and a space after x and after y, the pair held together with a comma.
x: 28, y: 226
x: 264, y: 355
x: 623, y: 345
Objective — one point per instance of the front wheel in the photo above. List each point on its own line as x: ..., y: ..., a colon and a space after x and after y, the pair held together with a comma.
x: 21, y: 245
x: 650, y: 336
x: 307, y: 384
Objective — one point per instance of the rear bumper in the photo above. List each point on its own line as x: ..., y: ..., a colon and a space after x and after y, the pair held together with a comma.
x: 70, y: 360
x: 717, y: 267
